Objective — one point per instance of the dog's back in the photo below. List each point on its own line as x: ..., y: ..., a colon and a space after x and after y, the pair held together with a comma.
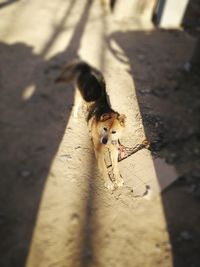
x: 90, y: 82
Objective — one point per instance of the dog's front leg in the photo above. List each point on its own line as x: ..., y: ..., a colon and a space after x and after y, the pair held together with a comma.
x: 104, y: 171
x: 114, y: 159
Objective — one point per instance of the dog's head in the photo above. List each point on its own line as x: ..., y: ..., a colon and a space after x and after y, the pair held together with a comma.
x: 110, y: 127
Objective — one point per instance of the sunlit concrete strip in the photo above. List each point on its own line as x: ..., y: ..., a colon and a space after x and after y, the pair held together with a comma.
x: 118, y: 225
x: 121, y: 226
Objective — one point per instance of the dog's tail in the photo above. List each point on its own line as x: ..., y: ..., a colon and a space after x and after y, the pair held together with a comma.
x: 88, y: 79
x: 72, y: 70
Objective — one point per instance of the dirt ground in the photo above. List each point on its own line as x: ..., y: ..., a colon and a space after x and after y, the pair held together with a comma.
x: 54, y: 209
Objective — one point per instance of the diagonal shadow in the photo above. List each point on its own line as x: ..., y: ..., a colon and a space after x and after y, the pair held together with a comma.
x: 7, y: 3
x: 156, y: 60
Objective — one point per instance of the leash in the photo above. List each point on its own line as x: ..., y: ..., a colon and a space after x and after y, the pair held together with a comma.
x: 125, y: 152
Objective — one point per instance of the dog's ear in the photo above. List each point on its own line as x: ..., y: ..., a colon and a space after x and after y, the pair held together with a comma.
x: 122, y: 119
x: 105, y: 117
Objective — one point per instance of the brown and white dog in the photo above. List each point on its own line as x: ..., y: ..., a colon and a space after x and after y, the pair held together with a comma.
x: 105, y: 124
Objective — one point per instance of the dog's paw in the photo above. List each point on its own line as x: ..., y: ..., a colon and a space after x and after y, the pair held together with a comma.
x: 109, y: 185
x: 119, y: 181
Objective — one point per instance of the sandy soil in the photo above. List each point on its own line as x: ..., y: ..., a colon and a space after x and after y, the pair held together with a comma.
x: 54, y: 209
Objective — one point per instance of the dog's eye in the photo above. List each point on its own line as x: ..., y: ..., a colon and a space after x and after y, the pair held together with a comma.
x: 113, y: 132
x: 105, y: 129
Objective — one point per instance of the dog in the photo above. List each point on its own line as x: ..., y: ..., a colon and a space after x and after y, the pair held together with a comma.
x: 105, y: 124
